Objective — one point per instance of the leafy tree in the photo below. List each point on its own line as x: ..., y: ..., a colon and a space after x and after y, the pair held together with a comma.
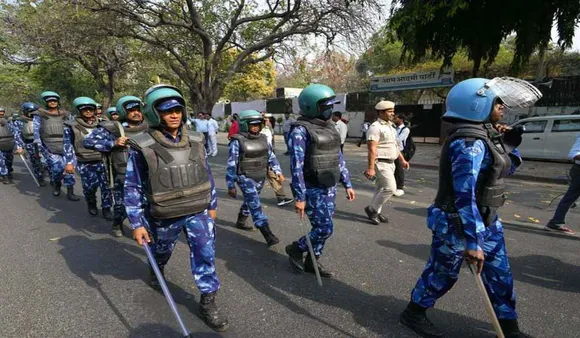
x: 446, y: 27
x: 195, y: 35
x: 255, y: 81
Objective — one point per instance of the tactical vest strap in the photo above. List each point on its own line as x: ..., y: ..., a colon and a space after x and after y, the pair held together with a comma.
x: 162, y: 153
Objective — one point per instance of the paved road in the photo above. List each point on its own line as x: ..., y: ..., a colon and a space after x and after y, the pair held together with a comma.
x: 63, y: 275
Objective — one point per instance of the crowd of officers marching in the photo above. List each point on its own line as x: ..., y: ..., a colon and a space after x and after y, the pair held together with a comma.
x: 151, y: 169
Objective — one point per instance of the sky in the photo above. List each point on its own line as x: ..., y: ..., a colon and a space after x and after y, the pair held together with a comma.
x: 576, y: 40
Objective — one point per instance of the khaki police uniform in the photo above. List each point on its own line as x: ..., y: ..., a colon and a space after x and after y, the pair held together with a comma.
x: 384, y: 133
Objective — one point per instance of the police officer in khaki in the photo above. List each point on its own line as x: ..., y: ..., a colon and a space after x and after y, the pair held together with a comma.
x: 383, y: 151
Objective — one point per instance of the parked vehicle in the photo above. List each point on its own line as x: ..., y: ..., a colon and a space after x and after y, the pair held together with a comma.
x: 549, y: 137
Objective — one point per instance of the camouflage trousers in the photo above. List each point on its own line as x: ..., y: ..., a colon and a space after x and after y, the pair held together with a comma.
x: 442, y: 269
x: 320, y: 204
x: 56, y: 165
x: 93, y: 176
x: 6, y: 160
x: 200, y: 230
x: 35, y: 160
x: 119, y: 213
x: 251, y: 206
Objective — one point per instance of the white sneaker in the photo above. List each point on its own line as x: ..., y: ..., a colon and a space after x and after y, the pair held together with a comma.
x: 399, y: 192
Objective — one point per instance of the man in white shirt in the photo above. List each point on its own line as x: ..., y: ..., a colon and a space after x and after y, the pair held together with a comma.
x: 402, y: 135
x: 341, y: 128
x: 212, y: 129
x: 558, y: 221
x: 288, y: 120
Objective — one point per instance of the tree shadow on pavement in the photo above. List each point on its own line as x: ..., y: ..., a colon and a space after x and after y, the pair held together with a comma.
x: 103, y: 257
x: 164, y: 331
x: 537, y: 231
x: 61, y: 210
x: 543, y: 271
x: 273, y: 277
x: 422, y: 212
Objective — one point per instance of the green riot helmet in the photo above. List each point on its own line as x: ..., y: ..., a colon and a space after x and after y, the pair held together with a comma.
x: 125, y: 103
x: 166, y: 95
x: 316, y: 101
x: 110, y: 111
x: 48, y: 96
x: 83, y: 102
x: 248, y: 117
x: 2, y: 112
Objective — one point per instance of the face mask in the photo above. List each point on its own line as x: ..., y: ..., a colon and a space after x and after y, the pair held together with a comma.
x: 326, y: 111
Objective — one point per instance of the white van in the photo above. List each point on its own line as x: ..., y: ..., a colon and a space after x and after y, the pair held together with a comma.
x: 549, y: 137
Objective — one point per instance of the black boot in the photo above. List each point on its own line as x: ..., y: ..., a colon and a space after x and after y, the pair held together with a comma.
x: 242, y: 223
x: 309, y: 267
x: 153, y: 281
x: 118, y: 228
x: 107, y: 214
x: 10, y: 178
x: 511, y: 329
x: 211, y: 314
x: 415, y: 318
x: 92, y: 205
x: 5, y: 180
x: 41, y: 182
x: 70, y: 194
x: 56, y: 189
x: 295, y: 256
x: 270, y: 238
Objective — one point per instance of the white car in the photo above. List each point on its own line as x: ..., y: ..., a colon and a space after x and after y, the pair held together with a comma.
x: 549, y: 137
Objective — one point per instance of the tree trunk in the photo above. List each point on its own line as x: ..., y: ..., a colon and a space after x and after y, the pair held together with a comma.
x: 110, y: 87
x: 541, y: 63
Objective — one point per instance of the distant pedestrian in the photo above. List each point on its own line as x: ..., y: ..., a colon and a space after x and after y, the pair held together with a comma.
x: 234, y: 127
x: 341, y: 128
x: 288, y: 120
x: 402, y: 134
x: 212, y: 130
x: 364, y: 128
x: 558, y: 221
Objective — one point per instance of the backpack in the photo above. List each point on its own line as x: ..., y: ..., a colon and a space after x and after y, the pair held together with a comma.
x: 409, y: 148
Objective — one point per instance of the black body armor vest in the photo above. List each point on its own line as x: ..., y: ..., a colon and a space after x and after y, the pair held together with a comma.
x: 6, y: 135
x: 27, y: 128
x: 253, y: 161
x: 490, y: 186
x: 120, y: 155
x: 52, y: 130
x: 321, y: 161
x: 178, y: 184
x: 82, y: 130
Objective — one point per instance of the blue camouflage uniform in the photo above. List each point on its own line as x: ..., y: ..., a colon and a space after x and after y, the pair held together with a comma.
x: 468, y: 159
x: 320, y: 202
x: 200, y: 228
x: 7, y: 157
x: 104, y: 141
x: 250, y: 189
x: 54, y: 162
x: 93, y: 174
x: 34, y: 158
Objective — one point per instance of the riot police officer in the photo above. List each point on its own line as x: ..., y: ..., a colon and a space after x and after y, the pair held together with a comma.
x: 89, y: 162
x: 24, y: 134
x: 8, y: 146
x: 475, y: 158
x: 111, y: 139
x: 250, y: 156
x: 49, y: 136
x: 317, y: 165
x: 169, y: 189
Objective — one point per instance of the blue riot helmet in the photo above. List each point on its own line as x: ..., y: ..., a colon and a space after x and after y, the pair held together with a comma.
x: 29, y: 107
x: 472, y: 100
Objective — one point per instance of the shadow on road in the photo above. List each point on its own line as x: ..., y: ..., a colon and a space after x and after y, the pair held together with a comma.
x: 63, y: 211
x: 543, y: 271
x: 273, y: 277
x: 537, y: 231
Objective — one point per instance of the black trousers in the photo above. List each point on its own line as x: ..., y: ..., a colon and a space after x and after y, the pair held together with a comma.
x: 363, y: 139
x: 399, y: 174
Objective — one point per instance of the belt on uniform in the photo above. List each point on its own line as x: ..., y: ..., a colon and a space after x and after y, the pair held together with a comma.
x: 385, y: 160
